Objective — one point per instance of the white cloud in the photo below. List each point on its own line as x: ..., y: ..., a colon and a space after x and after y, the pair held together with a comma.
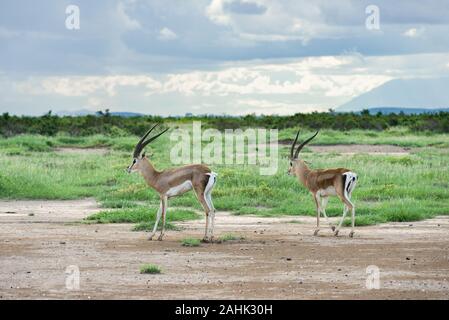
x: 128, y: 22
x: 260, y: 106
x: 84, y: 86
x: 215, y: 12
x: 6, y: 33
x: 299, y: 85
x: 319, y: 74
x: 413, y: 32
x: 166, y: 34
x: 282, y: 20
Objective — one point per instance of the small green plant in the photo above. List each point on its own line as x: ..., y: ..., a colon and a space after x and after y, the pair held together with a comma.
x: 148, y: 226
x: 190, y: 242
x: 230, y: 237
x: 150, y: 269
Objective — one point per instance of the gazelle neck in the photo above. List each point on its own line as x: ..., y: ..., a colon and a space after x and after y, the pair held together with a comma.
x: 148, y: 172
x: 302, y: 171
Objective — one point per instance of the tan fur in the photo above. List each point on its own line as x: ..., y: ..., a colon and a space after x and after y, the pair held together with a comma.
x: 162, y: 181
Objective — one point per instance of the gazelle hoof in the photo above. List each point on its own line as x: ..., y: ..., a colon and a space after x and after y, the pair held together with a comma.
x: 351, y: 234
x: 336, y: 233
x: 160, y: 238
x: 333, y: 228
x: 316, y: 232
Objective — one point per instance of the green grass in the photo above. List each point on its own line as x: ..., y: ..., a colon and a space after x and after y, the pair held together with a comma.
x: 143, y: 215
x: 391, y: 188
x: 395, y: 136
x: 148, y: 226
x: 190, y: 242
x: 230, y: 237
x: 150, y: 269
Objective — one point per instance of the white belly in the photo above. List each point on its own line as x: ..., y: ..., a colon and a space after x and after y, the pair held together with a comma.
x: 179, y: 189
x: 329, y: 191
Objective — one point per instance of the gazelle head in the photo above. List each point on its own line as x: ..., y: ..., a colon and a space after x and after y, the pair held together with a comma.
x: 138, y: 156
x: 294, y: 160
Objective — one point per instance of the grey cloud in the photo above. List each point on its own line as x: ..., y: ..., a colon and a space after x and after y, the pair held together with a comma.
x: 244, y: 7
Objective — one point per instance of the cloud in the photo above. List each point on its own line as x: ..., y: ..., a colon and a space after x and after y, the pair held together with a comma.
x: 314, y: 81
x: 125, y: 20
x: 265, y: 52
x: 332, y: 77
x: 244, y: 7
x: 413, y: 32
x: 215, y: 12
x: 260, y: 106
x: 166, y: 34
x: 84, y: 86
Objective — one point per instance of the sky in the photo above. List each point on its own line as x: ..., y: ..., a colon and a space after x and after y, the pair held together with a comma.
x: 213, y: 56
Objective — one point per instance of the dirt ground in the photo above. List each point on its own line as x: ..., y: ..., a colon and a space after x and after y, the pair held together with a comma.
x: 279, y: 258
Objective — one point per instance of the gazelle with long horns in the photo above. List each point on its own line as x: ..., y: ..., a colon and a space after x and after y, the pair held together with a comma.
x: 323, y: 183
x: 174, y: 182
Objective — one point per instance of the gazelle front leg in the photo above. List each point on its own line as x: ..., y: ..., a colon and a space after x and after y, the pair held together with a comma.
x: 164, y: 215
x: 324, y: 201
x: 158, y: 217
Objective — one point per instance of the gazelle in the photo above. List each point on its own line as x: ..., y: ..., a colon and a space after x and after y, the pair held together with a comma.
x: 324, y: 183
x: 174, y: 182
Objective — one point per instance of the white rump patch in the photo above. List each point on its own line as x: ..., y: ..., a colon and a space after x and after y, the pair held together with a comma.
x: 211, y: 182
x: 350, y: 182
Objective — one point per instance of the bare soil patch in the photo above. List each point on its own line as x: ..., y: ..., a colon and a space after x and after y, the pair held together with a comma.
x: 277, y: 259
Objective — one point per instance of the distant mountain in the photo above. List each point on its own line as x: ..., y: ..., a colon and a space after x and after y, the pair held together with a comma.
x: 127, y: 114
x: 403, y: 93
x: 387, y: 110
x: 85, y: 112
x: 76, y: 113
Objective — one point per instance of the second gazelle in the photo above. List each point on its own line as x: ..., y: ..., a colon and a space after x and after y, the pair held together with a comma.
x: 174, y: 182
x: 324, y: 183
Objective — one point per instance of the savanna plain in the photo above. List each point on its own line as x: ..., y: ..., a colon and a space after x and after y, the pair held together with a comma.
x: 66, y: 200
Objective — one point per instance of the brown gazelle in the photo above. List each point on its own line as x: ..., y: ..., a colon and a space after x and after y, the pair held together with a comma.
x: 324, y: 183
x: 174, y: 182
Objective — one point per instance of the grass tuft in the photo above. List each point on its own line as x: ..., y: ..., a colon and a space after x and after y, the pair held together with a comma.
x: 190, y: 242
x: 148, y: 226
x: 150, y: 269
x: 230, y: 237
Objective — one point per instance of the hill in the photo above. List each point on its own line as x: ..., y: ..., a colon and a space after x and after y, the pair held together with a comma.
x: 403, y: 93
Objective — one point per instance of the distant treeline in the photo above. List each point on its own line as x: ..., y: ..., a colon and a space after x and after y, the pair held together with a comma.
x: 105, y: 123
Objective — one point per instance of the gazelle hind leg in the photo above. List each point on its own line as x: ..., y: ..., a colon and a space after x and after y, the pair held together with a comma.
x: 345, y: 211
x: 348, y: 206
x: 351, y: 234
x: 202, y: 199
x: 208, y: 198
x: 158, y: 217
